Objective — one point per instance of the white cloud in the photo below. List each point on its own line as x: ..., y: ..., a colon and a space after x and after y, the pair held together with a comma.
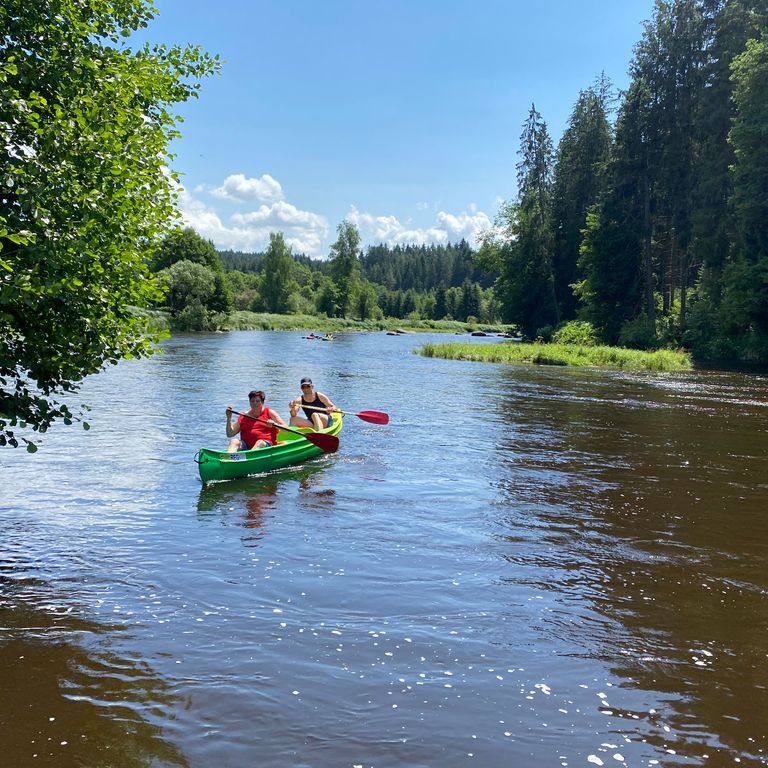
x: 447, y: 228
x: 238, y: 187
x: 304, y: 231
x: 281, y: 214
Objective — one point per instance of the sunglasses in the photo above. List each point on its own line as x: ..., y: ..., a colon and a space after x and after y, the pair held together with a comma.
x: 255, y: 400
x: 306, y: 386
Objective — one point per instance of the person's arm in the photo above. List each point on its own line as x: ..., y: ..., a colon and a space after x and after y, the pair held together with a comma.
x: 276, y: 418
x: 326, y: 401
x: 232, y: 429
x: 294, y: 406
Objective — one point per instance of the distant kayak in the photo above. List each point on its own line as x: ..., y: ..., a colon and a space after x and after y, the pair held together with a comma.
x: 291, y: 449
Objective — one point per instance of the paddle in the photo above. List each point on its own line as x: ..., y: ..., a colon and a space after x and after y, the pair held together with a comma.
x: 374, y: 417
x: 327, y: 443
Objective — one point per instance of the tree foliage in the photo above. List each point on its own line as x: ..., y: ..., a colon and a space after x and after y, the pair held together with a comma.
x: 579, y: 178
x: 745, y: 301
x: 521, y: 245
x: 85, y: 194
x: 345, y: 266
x: 673, y: 251
x: 277, y: 282
x: 190, y: 288
x: 186, y: 245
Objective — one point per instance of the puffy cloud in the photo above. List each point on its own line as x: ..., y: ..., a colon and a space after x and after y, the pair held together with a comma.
x: 447, y: 228
x: 308, y: 232
x: 304, y: 231
x: 238, y: 187
x: 281, y: 214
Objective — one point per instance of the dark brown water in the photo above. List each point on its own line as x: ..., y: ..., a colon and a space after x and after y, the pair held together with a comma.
x: 526, y: 567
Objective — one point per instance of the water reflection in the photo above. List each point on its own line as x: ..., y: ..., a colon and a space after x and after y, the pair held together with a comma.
x: 654, y: 562
x: 526, y: 592
x: 253, y: 501
x: 64, y: 699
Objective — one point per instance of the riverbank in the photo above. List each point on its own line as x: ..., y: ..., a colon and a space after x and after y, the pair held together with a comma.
x: 562, y: 354
x: 262, y: 321
x: 242, y: 320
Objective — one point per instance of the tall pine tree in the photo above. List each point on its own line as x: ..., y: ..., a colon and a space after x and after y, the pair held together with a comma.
x: 523, y: 249
x: 579, y: 175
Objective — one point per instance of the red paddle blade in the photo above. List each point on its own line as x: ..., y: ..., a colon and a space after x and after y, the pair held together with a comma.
x: 327, y: 443
x: 375, y: 417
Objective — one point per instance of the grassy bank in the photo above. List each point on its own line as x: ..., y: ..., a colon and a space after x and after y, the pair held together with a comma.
x: 263, y: 321
x: 247, y: 321
x: 562, y: 354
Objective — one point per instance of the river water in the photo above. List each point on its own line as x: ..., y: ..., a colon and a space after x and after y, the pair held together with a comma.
x: 527, y: 566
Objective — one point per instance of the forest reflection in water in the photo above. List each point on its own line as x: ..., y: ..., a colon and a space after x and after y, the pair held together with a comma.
x: 527, y: 566
x: 651, y: 541
x: 66, y: 696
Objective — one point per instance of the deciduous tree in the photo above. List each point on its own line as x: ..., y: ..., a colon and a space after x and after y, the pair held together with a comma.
x: 277, y: 270
x: 85, y: 193
x: 345, y: 266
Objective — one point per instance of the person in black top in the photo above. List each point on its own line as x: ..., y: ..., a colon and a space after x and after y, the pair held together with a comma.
x: 308, y: 402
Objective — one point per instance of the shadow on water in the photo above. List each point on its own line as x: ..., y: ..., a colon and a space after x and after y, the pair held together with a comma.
x: 64, y: 700
x: 662, y: 563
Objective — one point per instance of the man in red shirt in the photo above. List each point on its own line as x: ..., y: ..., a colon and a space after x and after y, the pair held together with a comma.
x: 253, y: 433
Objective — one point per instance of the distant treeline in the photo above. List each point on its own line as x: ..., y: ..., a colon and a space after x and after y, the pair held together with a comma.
x: 422, y: 282
x: 420, y: 268
x: 432, y: 282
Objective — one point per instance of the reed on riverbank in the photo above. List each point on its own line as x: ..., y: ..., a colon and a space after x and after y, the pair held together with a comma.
x: 562, y: 354
x: 262, y: 321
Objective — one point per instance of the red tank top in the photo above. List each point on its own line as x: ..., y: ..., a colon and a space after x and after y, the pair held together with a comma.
x: 251, y: 431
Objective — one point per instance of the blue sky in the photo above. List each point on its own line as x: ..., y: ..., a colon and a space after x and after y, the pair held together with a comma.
x: 404, y: 117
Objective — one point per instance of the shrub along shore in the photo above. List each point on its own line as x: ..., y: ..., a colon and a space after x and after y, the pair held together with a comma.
x: 514, y: 352
x: 264, y: 321
x: 562, y: 354
x: 159, y: 320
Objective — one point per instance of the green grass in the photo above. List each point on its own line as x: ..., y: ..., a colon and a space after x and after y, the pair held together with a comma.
x: 245, y: 321
x: 562, y: 354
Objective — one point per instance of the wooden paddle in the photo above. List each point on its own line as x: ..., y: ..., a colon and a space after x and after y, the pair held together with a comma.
x: 327, y: 443
x: 374, y: 417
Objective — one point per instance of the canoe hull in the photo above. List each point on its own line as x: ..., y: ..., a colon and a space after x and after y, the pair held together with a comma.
x: 291, y: 449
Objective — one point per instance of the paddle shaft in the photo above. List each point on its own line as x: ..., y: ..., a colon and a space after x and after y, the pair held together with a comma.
x: 374, y: 417
x: 328, y: 443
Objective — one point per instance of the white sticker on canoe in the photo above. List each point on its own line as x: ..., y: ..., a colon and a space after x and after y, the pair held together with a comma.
x: 235, y: 457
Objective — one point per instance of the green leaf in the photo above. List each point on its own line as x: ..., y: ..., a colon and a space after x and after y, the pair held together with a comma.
x: 96, y: 198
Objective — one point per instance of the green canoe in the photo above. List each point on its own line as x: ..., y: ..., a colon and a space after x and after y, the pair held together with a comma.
x: 291, y: 448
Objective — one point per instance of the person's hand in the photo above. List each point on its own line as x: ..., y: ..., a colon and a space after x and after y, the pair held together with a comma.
x: 229, y: 412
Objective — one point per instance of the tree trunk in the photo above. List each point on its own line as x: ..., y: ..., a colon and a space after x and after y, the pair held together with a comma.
x: 683, y: 285
x: 650, y: 308
x: 671, y: 281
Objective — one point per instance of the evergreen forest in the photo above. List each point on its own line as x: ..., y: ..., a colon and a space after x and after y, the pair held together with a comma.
x: 647, y: 223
